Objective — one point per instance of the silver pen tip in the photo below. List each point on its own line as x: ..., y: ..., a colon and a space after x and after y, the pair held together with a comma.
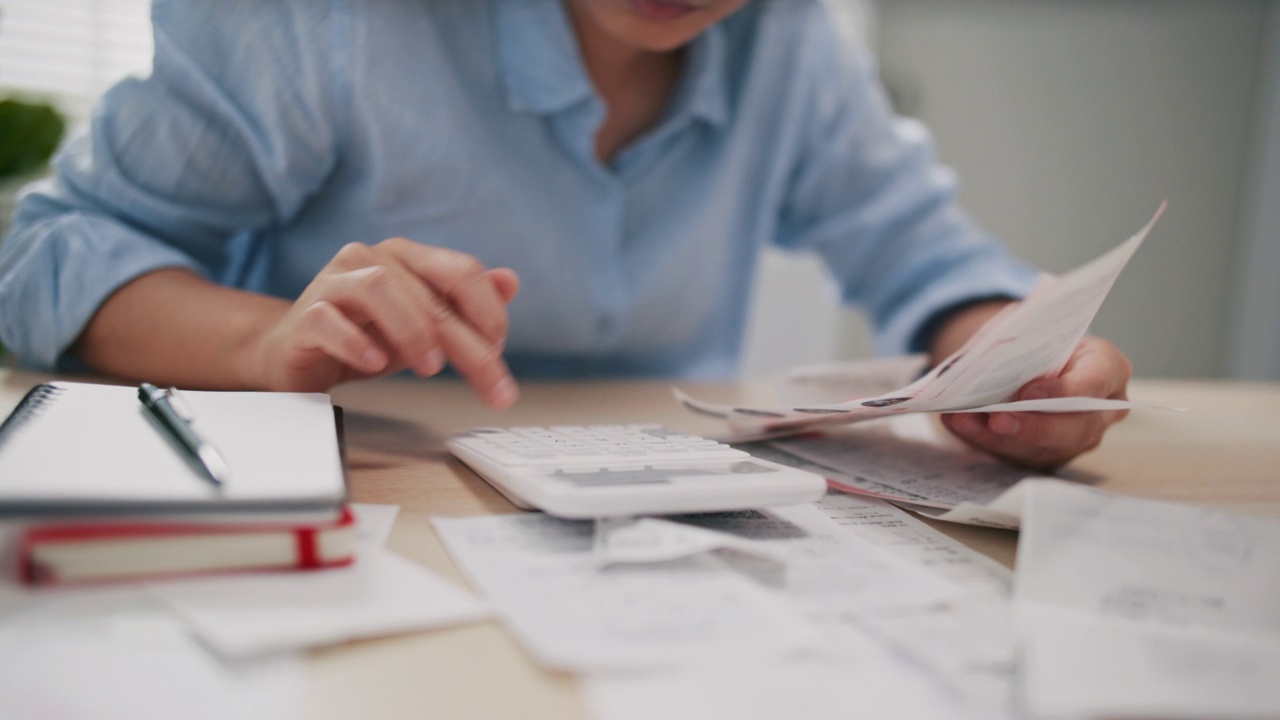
x: 215, y: 464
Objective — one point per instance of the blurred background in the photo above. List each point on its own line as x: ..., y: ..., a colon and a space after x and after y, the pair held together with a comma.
x: 1067, y: 123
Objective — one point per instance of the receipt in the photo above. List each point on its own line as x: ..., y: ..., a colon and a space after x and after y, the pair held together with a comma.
x: 865, y: 682
x: 1129, y: 606
x: 571, y: 614
x: 1029, y: 339
x: 651, y: 540
x: 923, y: 473
x: 833, y: 575
x: 966, y: 645
x: 887, y: 527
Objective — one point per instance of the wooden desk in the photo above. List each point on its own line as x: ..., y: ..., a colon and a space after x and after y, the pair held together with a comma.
x: 1224, y: 453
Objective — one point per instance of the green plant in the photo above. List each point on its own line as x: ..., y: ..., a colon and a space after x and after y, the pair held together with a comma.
x: 29, y: 133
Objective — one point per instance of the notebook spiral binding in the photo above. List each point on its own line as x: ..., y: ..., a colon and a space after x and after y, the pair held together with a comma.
x: 32, y: 404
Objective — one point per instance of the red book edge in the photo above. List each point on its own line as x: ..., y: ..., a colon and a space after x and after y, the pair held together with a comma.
x: 307, y: 537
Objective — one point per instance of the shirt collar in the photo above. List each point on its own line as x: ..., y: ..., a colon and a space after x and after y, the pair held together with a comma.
x: 702, y: 93
x: 541, y: 69
x: 538, y: 56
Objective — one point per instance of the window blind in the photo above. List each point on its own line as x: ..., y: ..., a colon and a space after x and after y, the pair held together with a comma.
x: 70, y: 51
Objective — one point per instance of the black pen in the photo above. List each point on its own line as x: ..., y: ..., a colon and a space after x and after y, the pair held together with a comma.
x: 178, y: 427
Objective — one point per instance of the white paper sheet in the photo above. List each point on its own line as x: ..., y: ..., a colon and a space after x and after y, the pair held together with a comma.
x: 654, y: 540
x: 1090, y: 668
x: 1027, y: 340
x: 817, y: 384
x: 966, y: 645
x: 114, y: 653
x: 867, y: 682
x: 255, y: 614
x: 374, y: 522
x: 912, y: 462
x: 1004, y: 512
x: 835, y: 477
x: 925, y: 473
x: 1132, y: 607
x: 889, y: 528
x: 830, y: 573
x: 541, y: 574
x: 956, y: 632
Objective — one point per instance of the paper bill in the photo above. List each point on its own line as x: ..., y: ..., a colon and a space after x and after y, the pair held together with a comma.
x: 1027, y: 340
x: 374, y: 522
x: 965, y: 645
x: 915, y: 471
x: 830, y: 573
x: 897, y: 532
x: 542, y: 575
x: 818, y: 384
x: 1130, y: 607
x: 653, y: 540
x: 911, y: 462
x: 865, y: 682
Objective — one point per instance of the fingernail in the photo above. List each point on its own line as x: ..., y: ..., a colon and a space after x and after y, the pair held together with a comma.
x: 373, y: 359
x: 1003, y: 424
x: 504, y: 394
x: 433, y: 362
x: 966, y: 423
x: 1035, y: 393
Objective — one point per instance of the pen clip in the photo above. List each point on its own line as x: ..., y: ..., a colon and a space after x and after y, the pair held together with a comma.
x: 180, y: 404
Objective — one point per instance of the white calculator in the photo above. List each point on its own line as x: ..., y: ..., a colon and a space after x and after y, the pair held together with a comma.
x: 596, y: 471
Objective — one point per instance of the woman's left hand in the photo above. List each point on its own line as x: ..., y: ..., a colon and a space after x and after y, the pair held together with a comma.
x: 1048, y: 440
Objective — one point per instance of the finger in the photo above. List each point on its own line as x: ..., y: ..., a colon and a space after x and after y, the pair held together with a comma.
x: 396, y: 303
x: 324, y: 327
x: 506, y: 282
x: 973, y: 429
x: 476, y: 358
x: 461, y: 279
x: 1097, y: 368
x: 480, y: 361
x: 1065, y: 431
x: 408, y: 311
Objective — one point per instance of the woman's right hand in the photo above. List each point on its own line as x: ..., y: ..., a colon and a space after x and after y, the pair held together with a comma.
x: 375, y: 310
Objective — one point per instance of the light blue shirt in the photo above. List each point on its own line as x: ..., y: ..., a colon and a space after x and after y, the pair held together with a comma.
x: 269, y: 134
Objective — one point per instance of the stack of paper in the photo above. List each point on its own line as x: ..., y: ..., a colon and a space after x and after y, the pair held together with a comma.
x: 1124, y: 607
x: 682, y: 611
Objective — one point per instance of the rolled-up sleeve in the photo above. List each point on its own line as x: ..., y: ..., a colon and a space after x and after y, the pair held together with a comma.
x: 869, y: 195
x: 232, y: 131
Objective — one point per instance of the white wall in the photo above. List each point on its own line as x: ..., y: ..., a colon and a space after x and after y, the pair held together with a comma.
x: 1255, y: 337
x: 1069, y: 122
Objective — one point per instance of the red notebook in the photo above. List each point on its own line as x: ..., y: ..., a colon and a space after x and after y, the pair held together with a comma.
x: 88, y: 552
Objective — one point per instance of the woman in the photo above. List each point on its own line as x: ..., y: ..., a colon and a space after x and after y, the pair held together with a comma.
x: 239, y: 218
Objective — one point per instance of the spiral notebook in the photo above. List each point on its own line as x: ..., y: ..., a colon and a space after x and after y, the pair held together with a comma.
x: 84, y: 450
